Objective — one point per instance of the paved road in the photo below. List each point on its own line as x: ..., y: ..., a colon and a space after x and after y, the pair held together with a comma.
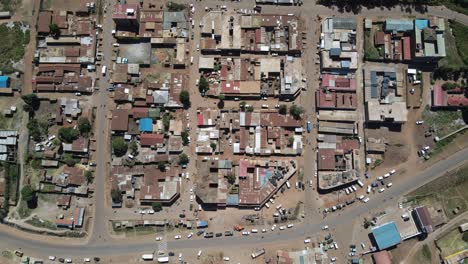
x: 122, y: 247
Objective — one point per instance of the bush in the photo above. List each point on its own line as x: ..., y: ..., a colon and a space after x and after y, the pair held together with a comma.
x: 184, y: 98
x: 185, y: 139
x: 134, y: 147
x: 89, y: 176
x: 68, y: 134
x: 449, y: 86
x: 27, y: 193
x: 54, y: 30
x: 119, y: 146
x: 166, y: 119
x: 157, y: 206
x: 68, y: 159
x: 231, y: 178
x: 242, y: 105
x: 116, y: 196
x: 162, y: 166
x: 213, y: 146
x: 174, y: 7
x: 37, y: 129
x: 250, y: 109
x: 183, y: 159
x: 84, y: 126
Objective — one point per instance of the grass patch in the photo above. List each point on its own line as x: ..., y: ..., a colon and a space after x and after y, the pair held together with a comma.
x: 455, y: 5
x: 448, y: 191
x: 12, y: 46
x: 452, y: 59
x: 451, y: 243
x: 7, y: 254
x: 443, y: 122
x: 23, y: 210
x: 460, y: 33
x: 9, y: 5
x: 426, y: 253
x: 42, y: 223
x: 442, y: 144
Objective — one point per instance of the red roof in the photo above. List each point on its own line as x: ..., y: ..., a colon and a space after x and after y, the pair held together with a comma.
x: 439, y: 95
x: 406, y: 48
x: 379, y: 38
x: 151, y: 139
x: 230, y: 87
x: 326, y: 159
x: 456, y: 100
x: 140, y: 112
x: 200, y: 119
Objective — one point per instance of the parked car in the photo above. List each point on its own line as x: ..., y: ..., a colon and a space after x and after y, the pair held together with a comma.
x: 419, y: 122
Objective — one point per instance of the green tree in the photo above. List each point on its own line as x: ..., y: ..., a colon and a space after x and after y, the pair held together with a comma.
x: 157, y: 206
x: 28, y: 108
x: 296, y: 111
x: 37, y: 129
x: 166, y: 119
x: 465, y: 236
x: 449, y: 86
x: 27, y: 193
x: 221, y: 98
x: 184, y: 98
x: 89, y: 176
x: 185, y: 139
x: 68, y: 134
x: 231, y: 178
x: 116, y: 196
x: 250, y: 108
x: 174, y: 7
x: 291, y: 140
x: 283, y: 109
x: 242, y: 105
x: 68, y: 159
x: 183, y: 159
x: 134, y: 147
x: 213, y: 146
x: 32, y: 100
x: 54, y: 30
x: 119, y: 146
x: 84, y: 126
x: 203, y: 85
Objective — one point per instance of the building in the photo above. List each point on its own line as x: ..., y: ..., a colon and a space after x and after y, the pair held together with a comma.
x: 4, y: 81
x: 423, y: 220
x: 386, y: 236
x: 429, y: 36
x: 449, y: 99
x: 75, y: 220
x: 126, y: 16
x: 382, y: 257
x: 8, y: 145
x: 315, y: 255
x: 119, y: 123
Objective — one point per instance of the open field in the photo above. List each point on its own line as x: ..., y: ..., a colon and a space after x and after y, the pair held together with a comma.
x: 453, y: 59
x: 451, y: 243
x: 460, y: 32
x: 448, y: 191
x: 443, y: 122
x: 15, y: 38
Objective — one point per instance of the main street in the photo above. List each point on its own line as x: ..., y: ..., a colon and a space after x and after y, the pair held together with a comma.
x: 123, y: 247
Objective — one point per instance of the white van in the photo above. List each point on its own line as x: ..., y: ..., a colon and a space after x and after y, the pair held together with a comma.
x: 360, y: 183
x: 369, y: 188
x: 392, y: 171
x: 361, y: 197
x: 354, y: 188
x: 381, y: 190
x: 104, y: 70
x: 389, y: 185
x: 147, y: 257
x: 191, y: 60
x: 288, y: 184
x: 366, y: 200
x: 254, y: 231
x: 130, y: 156
x: 267, y: 205
x: 199, y: 254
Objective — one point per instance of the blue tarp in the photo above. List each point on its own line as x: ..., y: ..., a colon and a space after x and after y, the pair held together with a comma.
x: 202, y: 224
x: 386, y: 235
x: 421, y: 23
x: 4, y: 81
x: 146, y: 125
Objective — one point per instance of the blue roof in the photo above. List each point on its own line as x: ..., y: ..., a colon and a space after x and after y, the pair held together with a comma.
x: 232, y: 199
x: 146, y: 125
x: 421, y: 23
x: 345, y: 64
x: 335, y: 52
x: 4, y: 81
x: 386, y: 235
x: 202, y: 224
x: 398, y: 25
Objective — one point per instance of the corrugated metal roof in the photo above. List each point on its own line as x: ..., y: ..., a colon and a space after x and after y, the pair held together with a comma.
x: 386, y: 235
x: 398, y: 25
x: 344, y: 23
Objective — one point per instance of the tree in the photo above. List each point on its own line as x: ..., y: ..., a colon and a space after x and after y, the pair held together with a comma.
x: 203, y: 85
x: 250, y: 108
x: 291, y: 140
x: 134, y: 147
x: 242, y: 105
x: 221, y: 98
x: 27, y: 193
x: 116, y: 196
x: 174, y: 7
x: 166, y: 119
x: 213, y: 146
x: 31, y: 101
x: 157, y: 206
x: 283, y: 109
x: 449, y: 86
x: 54, y: 30
x: 185, y: 139
x: 68, y: 134
x: 119, y: 146
x: 84, y: 126
x: 231, y: 178
x: 183, y: 159
x: 37, y: 129
x: 162, y: 166
x: 68, y: 159
x: 89, y: 176
x: 184, y: 98
x: 296, y: 111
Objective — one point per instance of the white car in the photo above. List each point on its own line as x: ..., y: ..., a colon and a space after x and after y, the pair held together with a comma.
x: 282, y: 228
x: 365, y: 200
x: 389, y: 185
x: 380, y: 178
x: 325, y: 227
x: 226, y: 258
x: 191, y: 190
x: 87, y: 260
x: 419, y: 122
x: 158, y: 238
x: 290, y: 225
x: 273, y: 227
x: 190, y: 235
x: 386, y: 175
x: 245, y: 233
x: 392, y: 171
x: 116, y: 44
x: 381, y: 190
x: 177, y: 236
x: 264, y: 230
x: 68, y: 260
x: 307, y: 241
x: 52, y: 258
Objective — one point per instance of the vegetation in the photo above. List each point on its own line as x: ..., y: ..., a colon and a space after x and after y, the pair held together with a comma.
x: 157, y: 206
x: 174, y: 7
x: 89, y: 176
x: 162, y: 166
x: 449, y: 86
x: 283, y: 109
x: 455, y: 64
x: 185, y: 139
x: 249, y: 108
x: 183, y: 159
x: 13, y: 44
x: 290, y: 140
x: 368, y: 223
x: 28, y: 195
x: 451, y: 243
x: 203, y: 85
x: 37, y: 130
x: 84, y: 126
x: 119, y: 146
x: 41, y: 223
x: 442, y: 122
x: 134, y: 147
x: 166, y: 119
x: 213, y: 146
x: 296, y: 111
x: 184, y: 98
x: 54, y: 30
x: 242, y: 105
x: 68, y: 159
x: 116, y: 196
x: 426, y: 252
x: 68, y: 134
x: 221, y: 98
x: 231, y: 178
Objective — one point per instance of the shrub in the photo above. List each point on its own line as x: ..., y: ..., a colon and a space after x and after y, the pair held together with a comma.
x: 119, y: 146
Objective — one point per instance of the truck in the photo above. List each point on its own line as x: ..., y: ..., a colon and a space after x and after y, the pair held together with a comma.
x: 163, y: 260
x: 147, y: 257
x: 360, y: 183
x: 258, y: 253
x: 238, y: 228
x: 104, y: 70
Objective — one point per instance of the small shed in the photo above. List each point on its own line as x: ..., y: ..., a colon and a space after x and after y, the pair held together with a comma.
x: 4, y: 81
x: 146, y: 125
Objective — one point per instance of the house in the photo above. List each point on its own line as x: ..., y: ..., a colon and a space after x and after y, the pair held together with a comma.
x: 79, y: 147
x: 75, y: 220
x: 150, y: 140
x: 119, y: 123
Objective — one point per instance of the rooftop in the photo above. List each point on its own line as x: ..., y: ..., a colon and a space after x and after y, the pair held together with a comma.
x: 386, y: 235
